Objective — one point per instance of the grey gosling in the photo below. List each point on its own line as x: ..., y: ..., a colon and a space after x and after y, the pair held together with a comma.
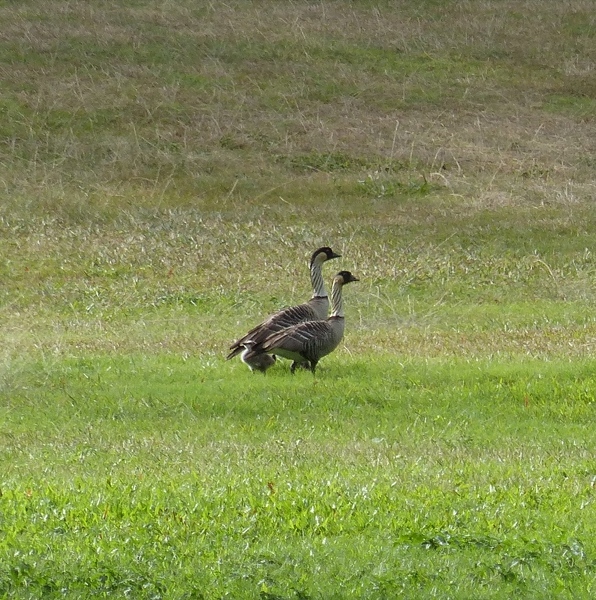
x: 258, y: 362
x: 313, y: 310
x: 308, y: 342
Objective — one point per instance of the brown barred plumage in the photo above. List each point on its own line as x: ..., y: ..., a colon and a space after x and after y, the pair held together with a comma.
x: 316, y: 308
x: 308, y: 342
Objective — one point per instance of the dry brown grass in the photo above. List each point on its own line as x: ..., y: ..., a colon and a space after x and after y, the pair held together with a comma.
x: 183, y: 98
x: 150, y: 152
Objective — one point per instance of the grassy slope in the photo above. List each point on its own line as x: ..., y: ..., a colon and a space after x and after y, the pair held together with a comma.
x: 152, y: 154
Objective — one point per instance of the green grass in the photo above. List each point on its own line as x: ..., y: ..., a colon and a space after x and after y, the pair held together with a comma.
x: 165, y: 172
x: 170, y: 478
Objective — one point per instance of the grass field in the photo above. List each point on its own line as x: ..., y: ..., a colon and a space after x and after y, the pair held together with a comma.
x: 166, y: 170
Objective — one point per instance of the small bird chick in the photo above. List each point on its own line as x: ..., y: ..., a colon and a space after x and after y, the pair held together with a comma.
x: 259, y: 362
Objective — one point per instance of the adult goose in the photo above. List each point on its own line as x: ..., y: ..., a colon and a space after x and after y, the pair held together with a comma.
x: 315, y: 309
x: 308, y: 342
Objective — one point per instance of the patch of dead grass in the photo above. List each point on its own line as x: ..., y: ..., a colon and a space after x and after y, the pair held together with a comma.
x: 185, y: 93
x: 151, y: 154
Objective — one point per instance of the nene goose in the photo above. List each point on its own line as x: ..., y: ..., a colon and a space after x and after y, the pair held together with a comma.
x: 313, y: 310
x: 309, y: 342
x: 258, y: 362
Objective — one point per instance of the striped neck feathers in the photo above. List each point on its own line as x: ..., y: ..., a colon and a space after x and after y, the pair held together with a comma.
x: 337, y: 303
x: 316, y: 277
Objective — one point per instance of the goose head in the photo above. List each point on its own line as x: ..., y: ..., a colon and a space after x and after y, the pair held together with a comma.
x: 323, y: 254
x: 344, y: 277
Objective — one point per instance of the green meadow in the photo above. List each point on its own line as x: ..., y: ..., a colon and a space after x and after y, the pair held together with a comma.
x: 166, y: 171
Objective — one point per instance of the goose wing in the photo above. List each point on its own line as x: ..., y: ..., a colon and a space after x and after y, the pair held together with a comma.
x: 279, y: 321
x: 301, y: 340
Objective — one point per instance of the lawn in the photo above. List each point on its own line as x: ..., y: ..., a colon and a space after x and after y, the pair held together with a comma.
x: 166, y: 171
